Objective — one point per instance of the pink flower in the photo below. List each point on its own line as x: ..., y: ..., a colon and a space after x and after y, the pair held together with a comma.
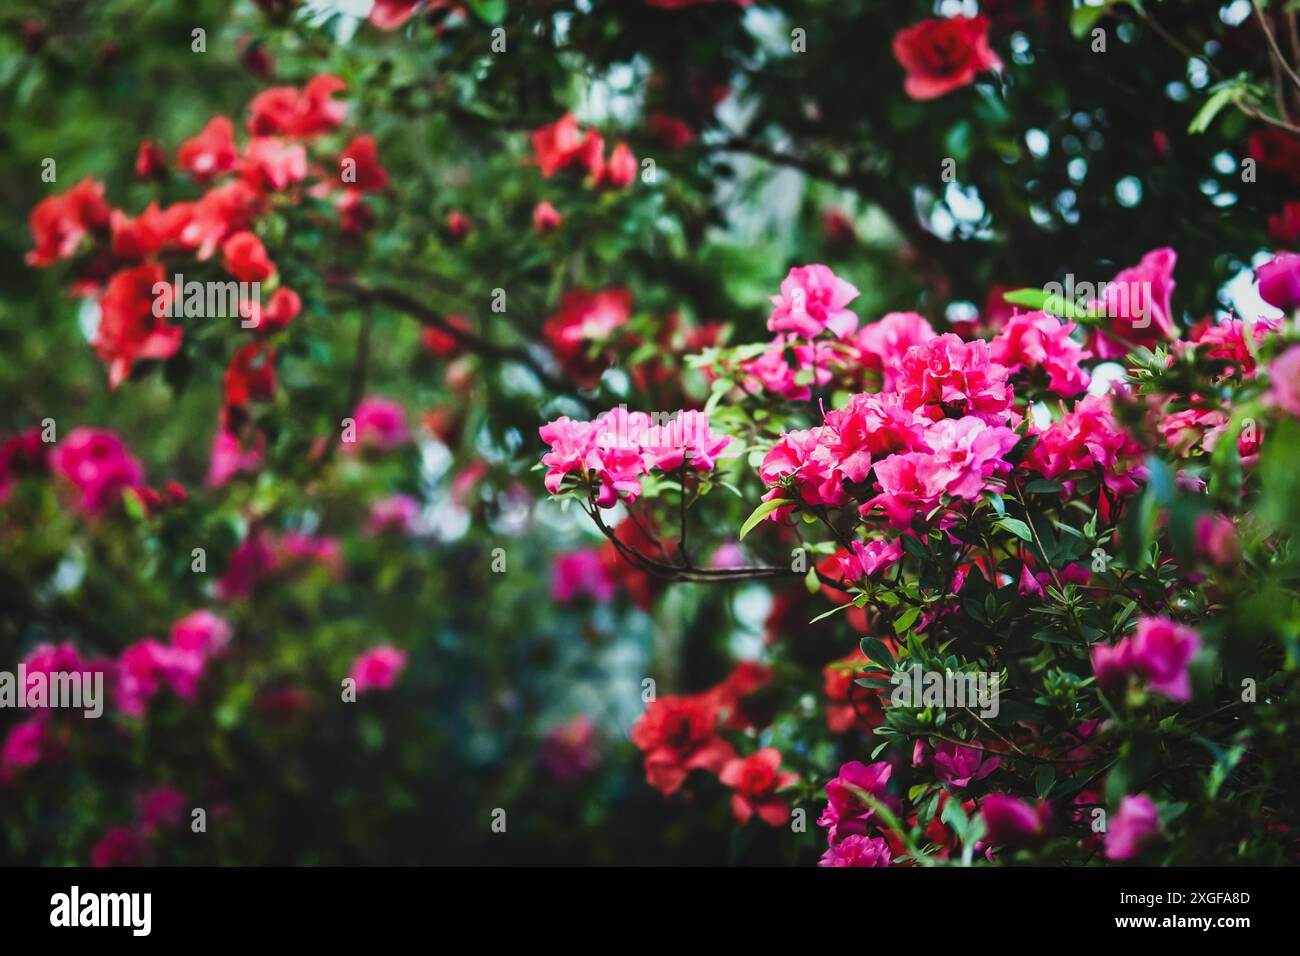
x: 871, y: 426
x: 1037, y: 340
x: 1138, y: 303
x: 380, y: 424
x: 1132, y: 828
x: 1279, y: 281
x: 870, y: 558
x: 229, y: 458
x: 377, y: 668
x: 120, y: 846
x: 1010, y: 822
x: 962, y: 765
x: 161, y: 807
x: 252, y: 561
x: 24, y: 746
x: 1161, y: 651
x: 813, y: 300
x: 1216, y: 540
x: 686, y: 439
x: 882, y: 344
x: 201, y: 632
x: 857, y: 850
x: 569, y: 751
x: 904, y: 491
x: 99, y: 465
x: 1089, y: 436
x: 1112, y: 665
x: 756, y: 779
x: 773, y: 372
x: 146, y: 666
x: 846, y: 812
x: 580, y: 572
x: 1284, y: 374
x: 396, y: 513
x: 806, y: 458
x: 946, y: 377
x: 967, y: 453
x: 1227, y: 340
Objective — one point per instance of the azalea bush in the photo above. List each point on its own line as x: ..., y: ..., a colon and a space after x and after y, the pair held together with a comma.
x: 626, y: 432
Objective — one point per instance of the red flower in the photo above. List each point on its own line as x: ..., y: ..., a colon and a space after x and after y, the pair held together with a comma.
x: 1284, y: 228
x: 557, y: 145
x: 756, y: 779
x: 251, y: 374
x: 245, y: 258
x: 546, y: 217
x: 224, y: 210
x: 284, y: 111
x: 621, y: 170
x: 211, y: 152
x: 59, y: 223
x: 848, y: 702
x: 442, y: 343
x: 128, y: 329
x: 678, y: 735
x: 459, y: 224
x: 585, y: 317
x: 364, y: 173
x: 282, y: 308
x: 149, y: 160
x: 943, y: 55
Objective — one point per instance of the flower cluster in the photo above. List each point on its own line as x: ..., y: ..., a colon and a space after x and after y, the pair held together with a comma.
x: 608, y: 455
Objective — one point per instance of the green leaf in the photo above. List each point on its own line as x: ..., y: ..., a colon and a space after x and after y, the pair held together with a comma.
x: 1016, y: 527
x: 490, y: 11
x: 764, y: 509
x: 906, y: 619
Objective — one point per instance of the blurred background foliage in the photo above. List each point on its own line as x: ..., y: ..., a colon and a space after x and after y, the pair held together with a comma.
x: 1074, y: 162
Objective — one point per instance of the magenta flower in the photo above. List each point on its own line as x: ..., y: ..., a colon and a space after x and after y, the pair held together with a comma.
x: 380, y: 424
x: 967, y: 453
x: 961, y: 765
x: 99, y: 465
x: 1132, y: 828
x: 870, y: 558
x: 1161, y: 651
x: 1279, y: 281
x: 202, y: 632
x: 1284, y: 374
x: 1011, y: 822
x: 377, y: 668
x: 948, y: 378
x: 857, y: 850
x: 846, y: 812
x: 575, y: 573
x: 397, y: 513
x: 813, y: 300
x: 1036, y: 340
